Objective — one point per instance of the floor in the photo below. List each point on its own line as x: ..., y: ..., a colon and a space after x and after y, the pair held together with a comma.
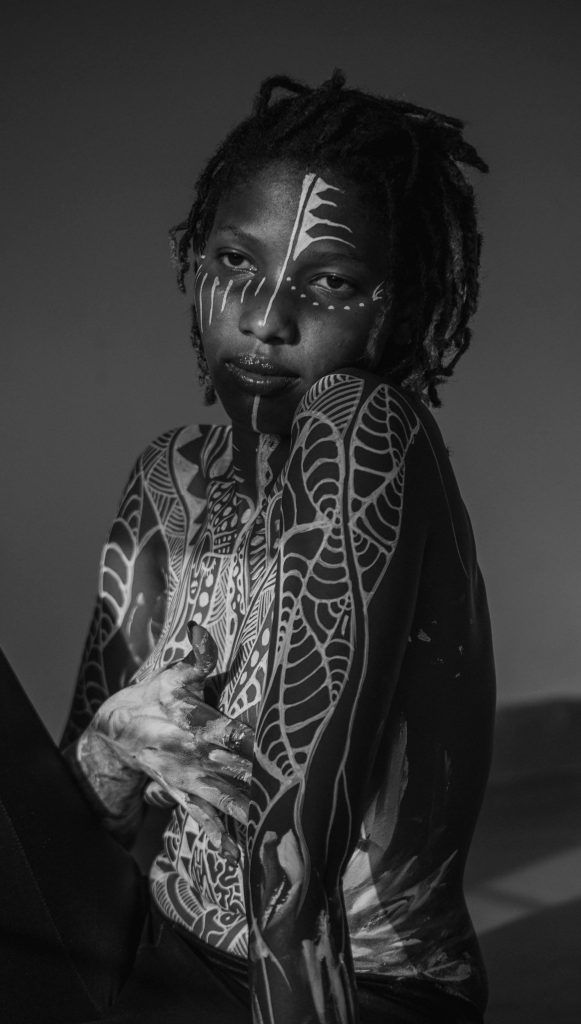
x: 524, y: 891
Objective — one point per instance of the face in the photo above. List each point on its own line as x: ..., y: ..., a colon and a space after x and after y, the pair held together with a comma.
x: 289, y: 288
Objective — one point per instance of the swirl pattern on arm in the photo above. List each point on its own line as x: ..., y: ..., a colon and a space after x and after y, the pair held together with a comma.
x: 342, y: 508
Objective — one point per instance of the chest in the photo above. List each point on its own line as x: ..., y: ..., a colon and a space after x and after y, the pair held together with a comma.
x: 227, y: 584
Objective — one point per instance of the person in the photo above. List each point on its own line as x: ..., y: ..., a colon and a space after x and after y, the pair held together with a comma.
x: 291, y: 644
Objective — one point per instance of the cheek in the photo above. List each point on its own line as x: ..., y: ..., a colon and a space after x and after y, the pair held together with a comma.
x: 218, y: 298
x: 340, y: 332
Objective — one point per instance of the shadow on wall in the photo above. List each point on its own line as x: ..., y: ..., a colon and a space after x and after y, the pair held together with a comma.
x: 523, y: 881
x: 533, y: 968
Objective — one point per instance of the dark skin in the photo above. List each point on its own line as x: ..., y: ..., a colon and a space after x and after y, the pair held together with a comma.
x: 278, y: 313
x: 249, y: 240
x: 308, y: 332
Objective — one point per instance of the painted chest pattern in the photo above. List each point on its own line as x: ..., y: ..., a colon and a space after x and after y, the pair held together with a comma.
x: 222, y: 575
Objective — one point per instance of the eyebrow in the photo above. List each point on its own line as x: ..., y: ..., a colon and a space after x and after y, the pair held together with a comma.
x: 326, y: 254
x: 238, y: 232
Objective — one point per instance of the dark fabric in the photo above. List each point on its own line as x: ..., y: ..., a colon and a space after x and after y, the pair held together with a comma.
x: 72, y: 901
x: 175, y: 984
x: 380, y: 999
x: 78, y: 944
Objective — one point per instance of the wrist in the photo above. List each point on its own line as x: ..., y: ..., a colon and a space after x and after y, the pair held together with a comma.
x: 113, y: 788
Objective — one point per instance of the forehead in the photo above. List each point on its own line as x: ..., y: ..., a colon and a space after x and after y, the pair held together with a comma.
x: 282, y: 198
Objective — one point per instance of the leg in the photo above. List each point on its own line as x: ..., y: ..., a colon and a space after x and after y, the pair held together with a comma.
x: 72, y: 900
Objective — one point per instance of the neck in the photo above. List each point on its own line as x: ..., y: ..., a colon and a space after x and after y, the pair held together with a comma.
x: 258, y: 460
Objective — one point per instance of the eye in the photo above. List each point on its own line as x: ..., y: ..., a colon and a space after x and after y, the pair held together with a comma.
x: 233, y: 260
x: 335, y: 284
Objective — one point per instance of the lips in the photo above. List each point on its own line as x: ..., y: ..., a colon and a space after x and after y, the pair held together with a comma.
x: 258, y: 375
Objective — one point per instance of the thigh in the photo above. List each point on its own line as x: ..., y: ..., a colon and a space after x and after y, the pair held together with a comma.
x: 174, y: 982
x: 72, y: 901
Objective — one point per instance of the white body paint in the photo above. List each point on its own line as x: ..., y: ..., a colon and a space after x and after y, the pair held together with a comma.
x: 225, y: 296
x: 305, y: 221
x: 200, y: 303
x: 254, y: 418
x: 215, y: 284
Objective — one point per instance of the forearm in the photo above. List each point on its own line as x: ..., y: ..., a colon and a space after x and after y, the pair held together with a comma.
x: 300, y: 955
x: 113, y: 788
x: 301, y: 971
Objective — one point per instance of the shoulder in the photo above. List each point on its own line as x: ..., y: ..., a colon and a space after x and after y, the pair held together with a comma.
x: 174, y: 460
x: 369, y: 411
x: 379, y: 427
x: 168, y: 483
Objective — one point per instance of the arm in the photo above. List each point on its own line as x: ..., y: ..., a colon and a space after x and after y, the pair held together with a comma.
x: 159, y: 728
x: 131, y: 602
x: 347, y: 588
x: 128, y: 618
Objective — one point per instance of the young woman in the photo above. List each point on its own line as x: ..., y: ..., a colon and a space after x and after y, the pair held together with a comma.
x: 295, y: 599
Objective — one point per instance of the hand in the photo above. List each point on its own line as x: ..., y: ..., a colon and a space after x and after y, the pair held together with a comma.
x: 162, y: 727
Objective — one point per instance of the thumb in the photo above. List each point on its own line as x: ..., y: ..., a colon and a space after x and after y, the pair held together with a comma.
x: 204, y: 653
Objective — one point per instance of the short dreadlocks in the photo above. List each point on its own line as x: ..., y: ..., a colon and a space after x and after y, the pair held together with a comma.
x: 405, y: 160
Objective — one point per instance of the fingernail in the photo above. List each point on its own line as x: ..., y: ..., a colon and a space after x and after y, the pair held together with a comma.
x: 203, y: 646
x: 230, y: 851
x: 196, y: 633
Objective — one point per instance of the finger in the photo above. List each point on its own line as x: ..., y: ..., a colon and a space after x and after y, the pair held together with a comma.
x: 235, y: 736
x: 157, y: 796
x: 209, y: 820
x: 204, y: 653
x: 224, y: 796
x: 231, y: 766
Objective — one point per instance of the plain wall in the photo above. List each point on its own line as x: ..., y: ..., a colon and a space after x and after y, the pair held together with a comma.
x: 111, y: 110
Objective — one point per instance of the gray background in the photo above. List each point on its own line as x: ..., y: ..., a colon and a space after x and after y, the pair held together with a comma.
x: 111, y: 110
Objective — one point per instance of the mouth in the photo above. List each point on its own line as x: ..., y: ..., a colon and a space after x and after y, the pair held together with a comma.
x: 258, y: 375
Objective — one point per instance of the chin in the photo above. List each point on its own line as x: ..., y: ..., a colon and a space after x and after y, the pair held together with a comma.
x: 263, y: 414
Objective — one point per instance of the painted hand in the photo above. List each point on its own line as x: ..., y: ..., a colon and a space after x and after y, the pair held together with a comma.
x: 163, y: 728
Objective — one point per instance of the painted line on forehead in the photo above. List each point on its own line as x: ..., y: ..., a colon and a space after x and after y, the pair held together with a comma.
x: 247, y: 285
x: 200, y: 302
x: 225, y: 296
x: 312, y: 220
x: 215, y: 284
x: 308, y: 184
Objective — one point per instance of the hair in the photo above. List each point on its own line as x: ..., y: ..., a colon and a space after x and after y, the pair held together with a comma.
x: 407, y: 163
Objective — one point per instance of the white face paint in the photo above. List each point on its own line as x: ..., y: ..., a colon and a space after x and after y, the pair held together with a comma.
x: 290, y: 259
x: 307, y: 220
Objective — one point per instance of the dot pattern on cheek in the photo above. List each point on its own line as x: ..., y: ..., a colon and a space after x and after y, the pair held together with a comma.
x: 205, y: 296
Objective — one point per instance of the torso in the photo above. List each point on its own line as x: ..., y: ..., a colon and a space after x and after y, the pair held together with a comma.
x: 402, y: 887
x: 225, y: 581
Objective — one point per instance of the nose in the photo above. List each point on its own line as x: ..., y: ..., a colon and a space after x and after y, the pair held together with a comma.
x: 269, y: 315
